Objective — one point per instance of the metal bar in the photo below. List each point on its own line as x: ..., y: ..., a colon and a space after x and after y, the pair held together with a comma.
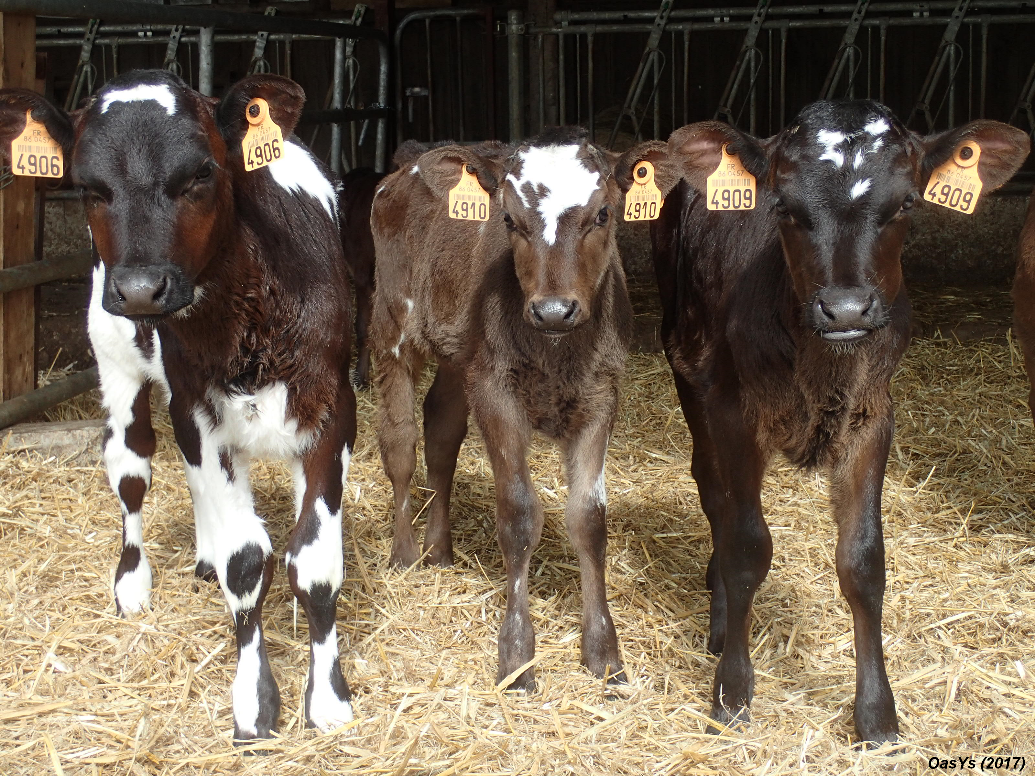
x: 206, y: 61
x: 459, y: 81
x: 490, y: 74
x: 984, y: 66
x: 686, y: 76
x: 23, y: 407
x: 337, y: 102
x: 589, y: 88
x: 431, y: 93
x: 85, y: 53
x: 736, y: 75
x: 259, y: 50
x: 36, y: 273
x: 171, y: 50
x: 561, y: 91
x: 148, y: 13
x: 515, y: 40
x: 541, y: 58
x: 883, y: 57
x: 847, y: 41
x: 941, y: 58
x: 783, y: 76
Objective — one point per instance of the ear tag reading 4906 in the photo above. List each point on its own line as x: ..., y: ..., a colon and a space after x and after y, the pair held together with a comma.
x: 731, y: 186
x: 643, y: 200
x: 264, y: 142
x: 956, y: 184
x: 34, y: 153
x: 468, y: 201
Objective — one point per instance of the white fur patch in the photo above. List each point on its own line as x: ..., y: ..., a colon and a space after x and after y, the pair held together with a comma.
x: 567, y: 181
x: 830, y: 141
x: 321, y: 561
x: 245, y: 691
x: 259, y: 422
x: 133, y: 590
x: 860, y: 188
x: 599, y: 492
x: 159, y: 93
x: 326, y: 710
x: 877, y: 127
x: 297, y: 171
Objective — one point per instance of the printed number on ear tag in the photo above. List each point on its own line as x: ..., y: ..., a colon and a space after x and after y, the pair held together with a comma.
x: 34, y: 153
x: 264, y: 142
x: 956, y: 184
x: 643, y: 200
x: 731, y: 186
x: 468, y: 201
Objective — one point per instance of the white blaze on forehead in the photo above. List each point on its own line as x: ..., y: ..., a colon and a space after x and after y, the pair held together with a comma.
x: 830, y: 141
x: 566, y: 180
x: 877, y: 127
x: 159, y: 93
x: 860, y: 188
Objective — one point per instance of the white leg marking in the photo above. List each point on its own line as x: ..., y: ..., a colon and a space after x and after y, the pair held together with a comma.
x: 245, y: 691
x: 326, y: 710
x: 322, y: 560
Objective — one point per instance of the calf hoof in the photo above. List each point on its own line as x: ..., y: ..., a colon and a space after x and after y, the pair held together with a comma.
x: 716, y: 641
x: 205, y: 571
x: 730, y: 719
x: 404, y: 553
x: 876, y: 727
x: 328, y: 701
x: 440, y: 558
x: 525, y: 681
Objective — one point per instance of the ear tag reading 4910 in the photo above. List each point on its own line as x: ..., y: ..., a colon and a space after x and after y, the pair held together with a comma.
x: 731, y: 186
x: 643, y: 200
x: 956, y: 184
x: 264, y: 142
x: 34, y: 153
x: 468, y: 201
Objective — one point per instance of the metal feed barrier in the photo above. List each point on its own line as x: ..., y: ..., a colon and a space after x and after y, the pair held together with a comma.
x: 129, y: 23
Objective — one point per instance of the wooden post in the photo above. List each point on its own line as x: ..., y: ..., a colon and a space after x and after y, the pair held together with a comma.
x: 17, y: 216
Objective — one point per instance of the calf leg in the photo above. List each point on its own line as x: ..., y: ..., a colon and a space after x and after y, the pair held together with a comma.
x: 586, y: 520
x: 243, y: 558
x: 315, y: 565
x: 128, y: 448
x: 519, y: 523
x: 705, y: 470
x: 445, y: 426
x: 397, y: 438
x: 856, y: 498
x: 745, y: 552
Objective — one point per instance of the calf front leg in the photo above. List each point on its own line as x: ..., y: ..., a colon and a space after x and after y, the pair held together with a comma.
x: 445, y: 426
x: 586, y: 520
x: 519, y: 523
x: 856, y: 497
x: 744, y: 549
x: 242, y: 555
x: 315, y: 564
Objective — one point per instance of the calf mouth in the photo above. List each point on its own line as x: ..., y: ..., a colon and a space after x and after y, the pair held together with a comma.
x: 847, y: 336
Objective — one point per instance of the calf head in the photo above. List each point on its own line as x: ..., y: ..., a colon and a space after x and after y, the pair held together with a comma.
x: 157, y: 163
x: 840, y: 184
x: 556, y: 198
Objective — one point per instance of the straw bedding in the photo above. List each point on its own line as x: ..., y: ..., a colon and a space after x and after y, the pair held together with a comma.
x: 85, y: 692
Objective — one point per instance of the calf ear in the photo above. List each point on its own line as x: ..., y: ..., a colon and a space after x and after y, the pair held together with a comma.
x: 440, y: 167
x: 284, y: 96
x: 697, y: 149
x: 1003, y: 151
x: 14, y: 103
x: 667, y: 171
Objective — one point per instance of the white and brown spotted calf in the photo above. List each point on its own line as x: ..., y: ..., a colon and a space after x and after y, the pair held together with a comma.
x: 528, y: 318
x: 226, y: 289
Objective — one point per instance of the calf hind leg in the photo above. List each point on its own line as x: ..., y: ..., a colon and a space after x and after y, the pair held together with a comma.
x: 445, y: 426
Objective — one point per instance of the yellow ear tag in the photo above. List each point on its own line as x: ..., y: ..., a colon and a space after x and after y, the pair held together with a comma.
x: 468, y: 201
x: 643, y: 200
x: 956, y: 184
x: 34, y: 153
x: 264, y: 142
x: 731, y: 186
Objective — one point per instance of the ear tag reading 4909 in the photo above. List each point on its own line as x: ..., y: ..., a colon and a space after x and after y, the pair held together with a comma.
x: 731, y: 186
x: 468, y: 201
x: 264, y: 142
x: 34, y: 153
x: 643, y: 200
x: 956, y: 184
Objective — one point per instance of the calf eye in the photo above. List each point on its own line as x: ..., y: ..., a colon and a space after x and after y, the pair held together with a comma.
x: 909, y: 201
x: 603, y: 215
x: 508, y: 220
x: 204, y: 173
x: 781, y: 209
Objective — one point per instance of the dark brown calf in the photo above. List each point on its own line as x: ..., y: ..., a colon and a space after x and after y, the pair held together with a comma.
x: 528, y: 319
x: 783, y: 326
x: 1024, y: 296
x: 357, y: 194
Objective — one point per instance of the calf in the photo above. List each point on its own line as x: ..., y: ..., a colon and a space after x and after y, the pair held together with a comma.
x: 357, y: 194
x: 1024, y: 296
x: 226, y: 289
x: 528, y: 319
x: 783, y: 326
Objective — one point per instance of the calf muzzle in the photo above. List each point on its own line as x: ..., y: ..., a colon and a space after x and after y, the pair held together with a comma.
x: 555, y: 314
x: 146, y: 292
x: 846, y: 314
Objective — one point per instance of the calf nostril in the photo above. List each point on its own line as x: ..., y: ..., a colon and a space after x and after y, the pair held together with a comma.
x: 535, y: 312
x: 826, y: 312
x: 573, y: 310
x: 160, y: 288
